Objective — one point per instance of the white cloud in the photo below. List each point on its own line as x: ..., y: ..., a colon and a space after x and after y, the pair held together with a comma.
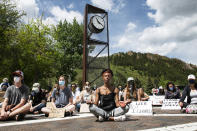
x: 70, y: 6
x: 29, y: 6
x: 62, y: 14
x: 175, y: 32
x: 109, y: 5
x: 130, y: 27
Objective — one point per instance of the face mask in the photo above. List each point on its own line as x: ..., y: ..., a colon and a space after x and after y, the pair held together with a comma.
x: 61, y: 83
x: 87, y: 87
x: 171, y: 88
x: 191, y: 81
x: 36, y: 89
x: 16, y: 79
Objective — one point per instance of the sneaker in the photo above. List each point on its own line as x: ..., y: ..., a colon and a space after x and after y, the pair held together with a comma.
x: 46, y: 115
x: 19, y: 117
x: 100, y: 119
x: 183, y: 110
x: 120, y: 118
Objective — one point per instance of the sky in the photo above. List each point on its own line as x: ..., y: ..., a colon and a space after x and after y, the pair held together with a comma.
x: 164, y: 27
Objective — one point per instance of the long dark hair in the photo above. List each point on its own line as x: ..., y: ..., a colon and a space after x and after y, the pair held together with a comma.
x: 167, y: 86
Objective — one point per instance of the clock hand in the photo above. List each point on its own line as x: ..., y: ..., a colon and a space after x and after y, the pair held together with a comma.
x: 99, y: 22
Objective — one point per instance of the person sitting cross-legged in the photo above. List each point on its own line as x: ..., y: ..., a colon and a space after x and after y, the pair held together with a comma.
x: 37, y: 98
x: 15, y: 103
x: 61, y: 98
x: 107, y: 105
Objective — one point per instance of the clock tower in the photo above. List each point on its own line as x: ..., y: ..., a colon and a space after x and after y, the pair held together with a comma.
x: 95, y: 44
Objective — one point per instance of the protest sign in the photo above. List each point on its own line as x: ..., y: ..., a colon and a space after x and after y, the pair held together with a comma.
x: 55, y: 112
x: 156, y: 100
x: 140, y: 108
x: 84, y: 108
x: 171, y: 104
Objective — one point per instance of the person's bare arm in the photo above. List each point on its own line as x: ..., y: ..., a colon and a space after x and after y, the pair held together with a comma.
x: 97, y: 97
x: 146, y: 97
x: 139, y: 96
x: 125, y: 95
x: 22, y: 103
x: 53, y: 102
x: 3, y: 111
x: 117, y: 97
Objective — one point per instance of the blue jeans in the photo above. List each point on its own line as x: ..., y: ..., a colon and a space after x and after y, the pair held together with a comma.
x: 41, y: 105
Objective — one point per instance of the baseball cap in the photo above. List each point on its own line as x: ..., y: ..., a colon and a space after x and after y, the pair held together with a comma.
x: 130, y: 79
x: 191, y: 76
x: 5, y: 79
x: 36, y: 85
x: 160, y: 87
x: 18, y: 73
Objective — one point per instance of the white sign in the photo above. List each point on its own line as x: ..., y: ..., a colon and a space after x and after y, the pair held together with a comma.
x: 171, y: 104
x: 156, y: 100
x: 140, y: 108
x: 84, y: 108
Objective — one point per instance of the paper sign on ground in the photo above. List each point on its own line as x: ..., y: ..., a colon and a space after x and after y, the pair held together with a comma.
x: 55, y: 112
x: 140, y: 108
x: 84, y: 108
x: 171, y: 104
x: 156, y: 100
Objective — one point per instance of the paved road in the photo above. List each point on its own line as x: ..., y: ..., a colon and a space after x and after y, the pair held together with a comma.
x: 88, y: 122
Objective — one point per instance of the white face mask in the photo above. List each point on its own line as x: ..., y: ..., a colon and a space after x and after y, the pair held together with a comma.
x: 36, y: 89
x: 16, y: 79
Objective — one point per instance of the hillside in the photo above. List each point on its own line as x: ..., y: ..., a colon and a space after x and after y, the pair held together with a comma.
x: 149, y: 70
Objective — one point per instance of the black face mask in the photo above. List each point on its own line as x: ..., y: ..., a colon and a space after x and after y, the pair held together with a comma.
x: 191, y: 81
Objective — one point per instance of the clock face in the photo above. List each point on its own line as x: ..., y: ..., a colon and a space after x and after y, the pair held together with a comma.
x: 98, y: 22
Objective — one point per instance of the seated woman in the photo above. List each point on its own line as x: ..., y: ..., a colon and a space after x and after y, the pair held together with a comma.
x: 107, y: 105
x: 130, y: 92
x: 61, y: 98
x: 190, y: 92
x: 37, y: 99
x: 86, y: 96
x: 142, y: 96
x: 172, y: 92
x: 121, y: 93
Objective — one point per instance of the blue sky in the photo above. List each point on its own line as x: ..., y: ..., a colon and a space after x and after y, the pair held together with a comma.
x: 165, y: 27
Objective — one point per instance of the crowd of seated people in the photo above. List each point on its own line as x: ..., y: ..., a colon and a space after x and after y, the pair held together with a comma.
x: 106, y: 102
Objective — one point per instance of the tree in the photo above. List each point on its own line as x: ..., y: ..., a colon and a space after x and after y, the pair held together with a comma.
x: 69, y: 41
x: 9, y: 21
x: 34, y: 53
x: 150, y: 86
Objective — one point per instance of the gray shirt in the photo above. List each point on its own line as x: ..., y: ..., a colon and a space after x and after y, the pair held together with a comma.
x: 63, y: 97
x: 15, y: 95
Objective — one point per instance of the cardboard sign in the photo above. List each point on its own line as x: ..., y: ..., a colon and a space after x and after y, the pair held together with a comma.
x: 55, y: 112
x: 171, y: 104
x: 84, y: 108
x: 140, y: 108
x: 156, y: 100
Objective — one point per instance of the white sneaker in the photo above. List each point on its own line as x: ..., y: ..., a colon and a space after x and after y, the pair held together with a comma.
x: 120, y: 118
x: 100, y: 119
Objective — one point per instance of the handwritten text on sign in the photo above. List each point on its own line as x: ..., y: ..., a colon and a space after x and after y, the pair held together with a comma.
x: 171, y: 104
x: 140, y: 108
x: 157, y: 100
